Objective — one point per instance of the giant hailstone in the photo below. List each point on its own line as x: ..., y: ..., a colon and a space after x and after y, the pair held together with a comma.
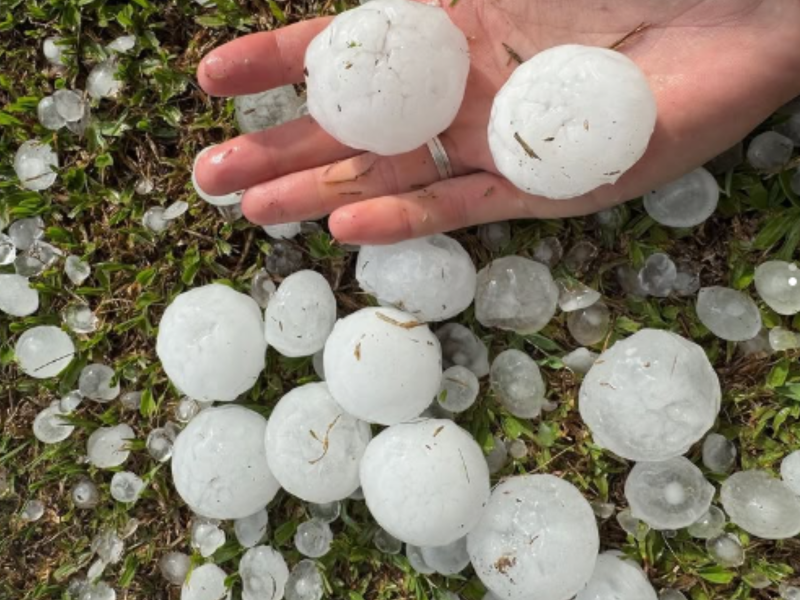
x: 433, y: 278
x: 388, y: 76
x: 211, y: 342
x: 571, y: 119
x: 314, y: 448
x: 537, y: 540
x: 382, y: 365
x: 219, y: 463
x: 616, y: 578
x: 650, y: 396
x: 425, y: 482
x: 761, y: 505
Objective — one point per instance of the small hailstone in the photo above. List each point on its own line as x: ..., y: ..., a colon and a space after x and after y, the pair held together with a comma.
x: 517, y: 382
x: 107, y: 446
x: 37, y: 259
x: 44, y: 351
x: 791, y: 128
x: 790, y: 471
x: 77, y: 270
x: 778, y: 284
x: 769, y: 151
x: 131, y: 400
x: 580, y: 256
x: 728, y: 313
x: 48, y: 115
x: 49, y: 427
x: 516, y: 294
x: 727, y: 161
x: 54, y: 51
x: 17, y: 298
x: 603, y: 510
x: 231, y: 199
x: 313, y: 538
x: 497, y: 457
x: 283, y: 231
x: 252, y: 529
x: 24, y: 233
x: 631, y: 525
x: 327, y: 512
x: 70, y: 401
x: 126, y: 486
x: 629, y: 283
x: 709, y: 525
x: 35, y: 165
x: 517, y: 449
x: 69, y: 104
x: 160, y: 442
x: 175, y: 210
x: 573, y: 295
x: 284, y: 259
x: 668, y: 594
x: 580, y: 360
x: 98, y: 590
x: 687, y: 279
x: 96, y: 383
x: 153, y: 219
x: 495, y: 236
x: 144, y: 186
x: 759, y: 344
x: 658, y: 275
x: 789, y: 592
x: 32, y: 511
x: 548, y: 251
x: 304, y: 582
x: 264, y: 574
x: 589, y: 326
x: 122, y: 45
x: 460, y: 346
x: 79, y: 127
x: 8, y: 251
x: 417, y: 562
x: 618, y: 578
x: 449, y: 559
x: 387, y: 77
x: 611, y: 218
x: 274, y: 107
x: 174, y: 567
x: 757, y: 580
x: 781, y: 339
x: 85, y: 494
x: 686, y: 202
x: 102, y: 81
x: 459, y: 389
x: 108, y: 546
x: 262, y: 288
x: 186, y: 409
x: 719, y: 453
x: 206, y: 582
x: 761, y: 505
x: 726, y: 550
x: 80, y: 319
x: 385, y: 542
x: 207, y: 537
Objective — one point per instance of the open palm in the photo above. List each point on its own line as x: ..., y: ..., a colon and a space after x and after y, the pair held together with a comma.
x: 717, y: 67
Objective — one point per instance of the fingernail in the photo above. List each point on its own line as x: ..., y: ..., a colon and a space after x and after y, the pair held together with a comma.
x: 215, y: 67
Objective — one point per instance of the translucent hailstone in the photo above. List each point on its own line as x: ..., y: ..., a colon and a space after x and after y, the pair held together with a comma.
x: 102, y: 81
x: 207, y: 537
x: 284, y: 259
x: 517, y: 449
x: 283, y: 231
x: 8, y: 251
x: 719, y: 453
x: 126, y: 486
x: 709, y: 525
x: 305, y: 582
x: 726, y: 550
x: 518, y: 384
x: 382, y: 365
x: 69, y: 104
x: 651, y: 396
x: 175, y: 210
x: 80, y: 319
x: 98, y: 590
x: 618, y: 578
x: 85, y: 494
x: 251, y: 530
x: 231, y: 213
x: 790, y: 471
x: 211, y: 342
x: 153, y: 219
x: 460, y: 346
x: 131, y: 400
x: 658, y: 275
x: 49, y: 427
x: 449, y: 559
x: 388, y: 76
x: 327, y: 512
x: 313, y: 538
x: 686, y: 202
x: 460, y: 388
x: 385, y: 542
x: 48, y: 115
x: 548, y: 251
x: 497, y: 458
x: 589, y: 326
x: 571, y: 119
x: 122, y: 45
x: 262, y: 289
x: 781, y: 339
x: 187, y: 409
x: 687, y: 279
x: 603, y: 510
x: 301, y: 314
x: 495, y: 236
x: 77, y: 270
x: 789, y: 592
x: 44, y: 351
x: 425, y: 482
x: 219, y: 463
x: 26, y: 232
x: 761, y: 505
x: 144, y: 186
x: 108, y: 546
x: 759, y: 344
x: 206, y: 582
x: 580, y: 360
x: 107, y: 447
x: 629, y: 283
x: 174, y: 567
x: 417, y: 562
x: 516, y: 294
x: 669, y: 494
x: 778, y: 284
x: 769, y: 151
x: 160, y: 442
x: 98, y: 382
x: 728, y: 313
x: 631, y: 525
x: 35, y: 165
x: 32, y: 511
x: 537, y: 540
x: 274, y: 107
x: 313, y: 447
x: 264, y: 574
x: 573, y: 295
x: 53, y: 51
x: 17, y: 298
x: 36, y: 259
x: 225, y: 199
x: 432, y: 278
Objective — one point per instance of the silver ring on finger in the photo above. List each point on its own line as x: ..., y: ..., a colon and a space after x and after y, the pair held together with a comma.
x: 440, y: 158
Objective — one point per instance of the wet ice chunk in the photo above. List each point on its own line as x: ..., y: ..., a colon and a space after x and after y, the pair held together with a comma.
x: 77, y: 270
x: 206, y: 582
x: 449, y: 559
x: 36, y: 259
x: 207, y: 537
x: 580, y: 360
x: 769, y: 151
x: 53, y: 50
x: 122, y: 45
x: 69, y: 104
x: 326, y: 512
x: 495, y: 236
x: 174, y: 567
x: 761, y: 505
x: 98, y: 382
x: 385, y: 542
x: 160, y: 442
x: 274, y: 107
x: 719, y: 453
x: 126, y: 486
x: 548, y: 251
x: 44, y: 351
x: 305, y: 582
x: 618, y: 578
x: 778, y: 284
x: 32, y: 511
x: 460, y: 346
x: 107, y: 447
x: 726, y: 550
x: 48, y: 115
x: 49, y: 427
x: 781, y: 339
x: 686, y: 202
x: 154, y: 220
x: 313, y: 538
x: 284, y: 259
x: 790, y: 471
x: 658, y: 275
x: 251, y: 530
x: 460, y: 388
x: 35, y: 165
x: 517, y: 382
x: 108, y: 546
x: 709, y: 525
x: 85, y: 494
x: 589, y: 326
x: 102, y: 81
x: 728, y: 313
x: 80, y: 319
x: 631, y: 525
x: 17, y: 298
x: 264, y: 574
x: 262, y: 289
x: 573, y: 295
x: 224, y: 200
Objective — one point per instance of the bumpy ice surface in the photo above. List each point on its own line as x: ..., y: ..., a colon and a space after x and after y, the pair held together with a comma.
x: 518, y: 384
x: 616, y: 578
x: 685, y: 202
x: 761, y: 505
x: 778, y: 284
x: 44, y: 351
x: 728, y: 313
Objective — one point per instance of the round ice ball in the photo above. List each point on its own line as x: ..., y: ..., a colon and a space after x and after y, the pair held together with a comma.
x: 685, y: 202
x: 433, y: 278
x: 761, y: 505
x: 425, y: 482
x: 206, y: 582
x: 616, y: 577
x: 314, y: 448
x: 571, y: 119
x: 382, y: 365
x: 729, y: 314
x: 211, y: 343
x: 35, y: 165
x: 107, y: 447
x: 517, y: 382
x: 44, y: 351
x: 778, y: 284
x: 388, y: 76
x: 650, y: 396
x: 537, y: 540
x: 219, y: 463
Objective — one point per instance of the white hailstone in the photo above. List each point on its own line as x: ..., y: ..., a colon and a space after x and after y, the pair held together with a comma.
x: 160, y: 443
x: 131, y: 400
x: 460, y: 346
x: 573, y: 295
x: 96, y: 382
x: 618, y: 578
x: 301, y: 314
x: 153, y: 219
x: 318, y: 363
x: 17, y: 298
x: 580, y: 360
x: 102, y: 81
x: 8, y: 251
x: 305, y: 582
x: 174, y: 567
x: 603, y: 510
x: 252, y: 529
x: 761, y: 505
x: 327, y: 512
x: 108, y: 546
x: 126, y: 487
x: 32, y: 511
x: 589, y: 326
x: 495, y: 236
x: 144, y: 186
x: 274, y: 107
x: 686, y: 202
x: 98, y: 590
x: 207, y: 537
x: 459, y: 390
x: 385, y: 542
x: 35, y: 165
x: 107, y: 447
x: 719, y: 453
x: 432, y: 278
x: 651, y: 396
x: 264, y: 574
x: 658, y: 275
x: 781, y: 339
x: 769, y: 151
x: 262, y: 288
x: 77, y: 270
x: 709, y: 525
x: 387, y: 77
x: 778, y: 284
x: 497, y: 458
x: 69, y: 104
x: 548, y: 251
x: 537, y: 540
x: 728, y: 313
x: 283, y: 231
x: 80, y: 319
x: 206, y: 582
x: 26, y: 232
x: 211, y: 343
x: 726, y: 550
x: 219, y: 463
x: 53, y: 51
x: 517, y: 382
x: 515, y: 294
x: 48, y: 115
x: 123, y: 44
x: 313, y: 538
x: 669, y: 494
x: 313, y: 447
x: 790, y: 471
x: 571, y: 119
x: 49, y: 427
x: 44, y: 351
x: 517, y: 449
x: 414, y: 556
x: 234, y: 198
x: 449, y: 559
x: 85, y: 494
x: 175, y: 210
x: 382, y: 365
x: 425, y: 482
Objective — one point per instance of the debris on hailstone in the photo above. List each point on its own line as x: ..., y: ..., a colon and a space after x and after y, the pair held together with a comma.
x: 174, y: 567
x: 726, y: 550
x: 385, y: 542
x: 35, y: 165
x: 126, y: 486
x: 769, y: 151
x: 327, y: 512
x: 515, y: 294
x: 283, y: 231
x: 305, y: 582
x: 686, y: 202
x: 537, y: 540
x: 573, y: 295
x: 274, y: 107
x: 102, y: 81
x: 85, y: 494
x: 497, y: 458
x: 719, y: 453
x: 728, y: 313
x: 631, y: 525
x: 107, y: 447
x: 658, y: 275
x: 206, y: 582
x: 746, y: 494
x: 77, y: 270
x: 211, y: 342
x: 451, y: 481
x: 460, y: 346
x: 460, y: 388
x: 650, y: 396
x: 709, y: 525
x: 264, y: 574
x: 589, y: 326
x: 225, y: 199
x: 32, y: 511
x: 616, y: 577
x: 44, y: 351
x: 313, y: 538
x: 251, y: 530
x: 284, y: 259
x: 548, y: 251
x: 53, y: 50
x: 778, y: 284
x: 449, y: 559
x: 98, y: 382
x: 517, y: 382
x: 160, y: 442
x: 207, y: 537
x: 49, y: 427
x: 17, y: 297
x: 262, y: 288
x: 219, y: 463
x: 495, y: 236
x: 313, y: 447
x: 80, y: 319
x: 388, y: 76
x: 48, y: 115
x: 580, y: 360
x: 790, y: 471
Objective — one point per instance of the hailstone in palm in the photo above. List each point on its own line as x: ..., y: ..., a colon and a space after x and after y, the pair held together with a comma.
x: 761, y: 505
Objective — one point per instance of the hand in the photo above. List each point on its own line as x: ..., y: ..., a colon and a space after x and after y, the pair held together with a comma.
x: 717, y: 67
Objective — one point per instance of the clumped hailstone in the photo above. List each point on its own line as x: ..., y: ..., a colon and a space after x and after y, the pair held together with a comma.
x: 313, y: 538
x: 24, y: 233
x: 617, y: 578
x: 252, y: 529
x: 126, y: 486
x: 571, y: 119
x: 206, y: 582
x: 233, y: 198
x: 35, y: 165
x: 726, y: 550
x: 49, y: 427
x: 44, y: 351
x: 313, y: 446
x: 388, y: 76
x: 385, y: 542
x: 650, y: 396
x: 778, y: 284
x: 174, y: 567
x: 301, y: 314
x: 160, y: 442
x: 728, y: 313
x: 425, y: 482
x: 790, y: 471
x: 17, y: 297
x: 769, y: 151
x: 459, y: 389
x: 219, y: 463
x: 432, y: 278
x: 517, y: 383
x: 495, y: 236
x: 207, y: 537
x: 709, y: 525
x: 211, y: 342
x: 32, y: 511
x: 305, y: 582
x: 589, y: 326
x: 686, y: 202
x: 85, y: 494
x: 264, y: 574
x: 80, y: 319
x: 326, y: 512
x: 761, y: 505
x: 515, y: 294
x: 573, y: 295
x: 719, y: 453
x: 107, y: 447
x: 48, y: 115
x: 580, y: 360
x: 274, y: 107
x: 102, y: 81
x: 283, y: 231
x: 537, y: 540
x: 658, y: 275
x: 98, y: 382
x: 449, y: 559
x: 382, y: 365
x: 460, y: 346
x: 77, y: 270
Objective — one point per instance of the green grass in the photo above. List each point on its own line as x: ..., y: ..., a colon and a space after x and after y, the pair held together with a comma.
x: 154, y: 130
